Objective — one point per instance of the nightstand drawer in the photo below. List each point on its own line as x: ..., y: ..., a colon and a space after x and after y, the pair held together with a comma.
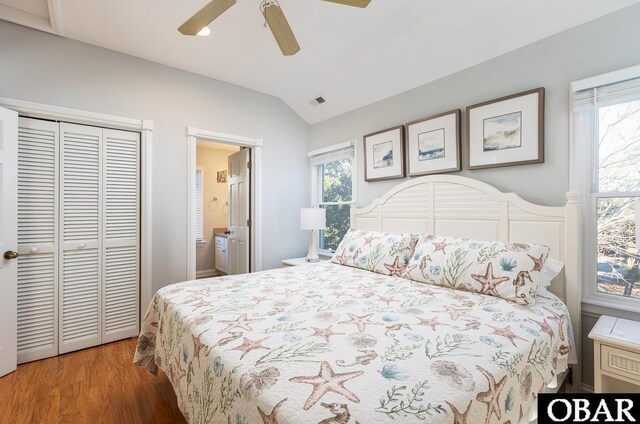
x: 620, y: 361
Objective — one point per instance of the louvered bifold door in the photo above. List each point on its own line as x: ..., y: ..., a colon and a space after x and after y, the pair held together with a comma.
x: 80, y: 233
x: 37, y: 239
x: 121, y: 200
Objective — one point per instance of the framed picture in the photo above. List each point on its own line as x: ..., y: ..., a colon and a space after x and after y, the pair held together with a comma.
x: 506, y: 131
x: 384, y: 154
x: 434, y: 144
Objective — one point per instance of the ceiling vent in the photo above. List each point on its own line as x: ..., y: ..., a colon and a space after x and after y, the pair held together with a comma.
x: 318, y: 100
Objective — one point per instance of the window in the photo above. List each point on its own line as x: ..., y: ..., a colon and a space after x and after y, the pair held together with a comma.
x: 607, y: 170
x: 333, y: 188
x: 199, y: 205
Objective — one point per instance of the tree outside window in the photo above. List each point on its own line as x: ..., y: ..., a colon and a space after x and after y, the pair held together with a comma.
x: 336, y: 194
x: 616, y: 197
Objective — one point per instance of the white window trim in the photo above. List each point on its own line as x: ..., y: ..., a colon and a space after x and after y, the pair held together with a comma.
x: 580, y: 158
x: 315, y: 180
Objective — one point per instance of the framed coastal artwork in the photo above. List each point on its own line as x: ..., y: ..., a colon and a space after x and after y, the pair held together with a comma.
x: 433, y: 144
x: 384, y: 154
x: 506, y: 131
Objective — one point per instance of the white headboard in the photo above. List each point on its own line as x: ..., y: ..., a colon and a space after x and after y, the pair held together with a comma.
x: 458, y: 206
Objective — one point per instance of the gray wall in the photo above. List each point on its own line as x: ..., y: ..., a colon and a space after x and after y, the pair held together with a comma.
x: 607, y: 44
x: 43, y: 68
x: 600, y: 46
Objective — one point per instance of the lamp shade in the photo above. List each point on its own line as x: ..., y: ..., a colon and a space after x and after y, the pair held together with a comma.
x: 313, y: 219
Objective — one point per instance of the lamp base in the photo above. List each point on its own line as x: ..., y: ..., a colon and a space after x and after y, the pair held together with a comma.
x: 312, y: 255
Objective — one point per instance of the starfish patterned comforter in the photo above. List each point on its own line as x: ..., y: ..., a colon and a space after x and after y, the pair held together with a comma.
x: 325, y: 343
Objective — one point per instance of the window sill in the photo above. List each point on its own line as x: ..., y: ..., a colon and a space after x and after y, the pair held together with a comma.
x: 325, y: 254
x: 629, y: 305
x: 200, y: 243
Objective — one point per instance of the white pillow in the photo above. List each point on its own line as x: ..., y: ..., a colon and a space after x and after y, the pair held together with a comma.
x: 550, y: 270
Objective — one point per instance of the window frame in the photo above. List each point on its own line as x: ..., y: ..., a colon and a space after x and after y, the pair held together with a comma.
x: 317, y: 180
x: 584, y: 180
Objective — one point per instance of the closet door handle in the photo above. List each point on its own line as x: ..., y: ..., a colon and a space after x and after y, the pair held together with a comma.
x: 9, y: 255
x: 82, y: 246
x: 35, y: 250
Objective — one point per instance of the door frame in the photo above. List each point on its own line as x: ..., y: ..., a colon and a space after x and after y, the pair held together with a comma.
x: 193, y: 135
x: 145, y: 128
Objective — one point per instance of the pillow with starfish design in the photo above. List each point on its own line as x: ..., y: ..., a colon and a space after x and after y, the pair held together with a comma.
x: 510, y: 271
x: 383, y: 253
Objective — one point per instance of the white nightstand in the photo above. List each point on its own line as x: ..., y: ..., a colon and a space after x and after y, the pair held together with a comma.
x: 616, y: 355
x: 299, y: 261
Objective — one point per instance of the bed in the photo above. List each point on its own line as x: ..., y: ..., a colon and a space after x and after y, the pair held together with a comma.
x: 325, y: 343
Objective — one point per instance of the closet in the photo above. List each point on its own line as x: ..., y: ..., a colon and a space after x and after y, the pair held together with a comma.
x: 78, y: 237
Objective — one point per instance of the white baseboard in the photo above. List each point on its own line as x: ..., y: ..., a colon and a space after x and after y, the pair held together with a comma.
x: 206, y: 273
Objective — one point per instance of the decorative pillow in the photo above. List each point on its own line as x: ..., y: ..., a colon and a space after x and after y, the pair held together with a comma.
x: 507, y: 270
x: 384, y: 253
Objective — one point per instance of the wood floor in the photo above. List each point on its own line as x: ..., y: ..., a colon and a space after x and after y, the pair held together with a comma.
x: 97, y: 385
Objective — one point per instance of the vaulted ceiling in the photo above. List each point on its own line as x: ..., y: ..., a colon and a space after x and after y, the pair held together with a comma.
x: 352, y: 57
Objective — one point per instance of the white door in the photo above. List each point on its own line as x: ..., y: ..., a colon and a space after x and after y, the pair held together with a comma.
x: 8, y: 239
x: 121, y: 229
x: 37, y: 239
x: 239, y: 216
x: 80, y: 293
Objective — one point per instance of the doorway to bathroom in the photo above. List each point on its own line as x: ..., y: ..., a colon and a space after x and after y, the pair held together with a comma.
x: 224, y: 204
x: 211, y: 224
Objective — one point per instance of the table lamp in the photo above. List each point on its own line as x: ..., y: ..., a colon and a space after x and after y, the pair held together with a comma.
x: 313, y: 219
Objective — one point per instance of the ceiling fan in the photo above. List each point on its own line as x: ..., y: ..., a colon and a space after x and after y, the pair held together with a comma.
x: 273, y: 16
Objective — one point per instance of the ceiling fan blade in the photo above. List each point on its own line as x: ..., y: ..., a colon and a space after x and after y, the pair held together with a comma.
x: 205, y: 16
x: 280, y: 28
x: 355, y: 3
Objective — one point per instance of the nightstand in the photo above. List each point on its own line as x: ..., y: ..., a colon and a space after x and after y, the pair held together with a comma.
x: 299, y: 261
x: 616, y: 355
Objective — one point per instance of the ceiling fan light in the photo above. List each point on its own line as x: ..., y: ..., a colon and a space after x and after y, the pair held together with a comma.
x: 204, y: 32
x: 279, y: 26
x: 210, y: 12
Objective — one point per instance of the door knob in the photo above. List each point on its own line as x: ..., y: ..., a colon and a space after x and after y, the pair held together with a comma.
x: 8, y: 255
x: 227, y: 232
